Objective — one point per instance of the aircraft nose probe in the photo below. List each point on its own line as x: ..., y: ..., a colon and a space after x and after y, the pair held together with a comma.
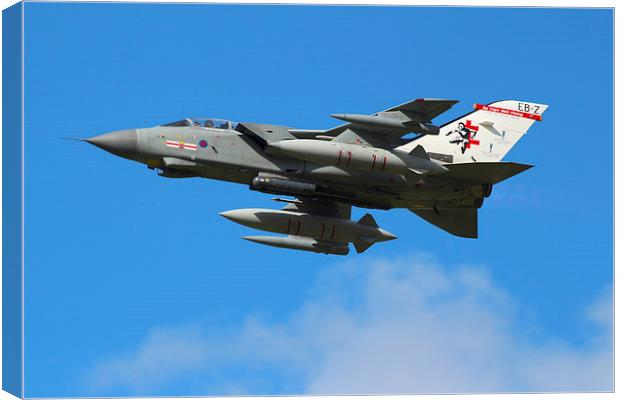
x: 121, y: 143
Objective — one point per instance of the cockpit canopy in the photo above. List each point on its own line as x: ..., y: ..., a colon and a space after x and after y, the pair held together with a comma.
x: 204, y: 123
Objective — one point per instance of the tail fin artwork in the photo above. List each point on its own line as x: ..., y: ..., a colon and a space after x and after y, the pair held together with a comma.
x: 483, y: 135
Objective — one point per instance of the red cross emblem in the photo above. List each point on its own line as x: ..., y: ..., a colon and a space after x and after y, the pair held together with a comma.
x: 471, y: 127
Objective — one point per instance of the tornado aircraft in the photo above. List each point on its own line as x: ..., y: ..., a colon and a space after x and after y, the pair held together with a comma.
x: 397, y: 158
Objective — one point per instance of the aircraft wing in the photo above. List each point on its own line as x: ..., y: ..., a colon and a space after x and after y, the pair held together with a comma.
x: 426, y: 109
x: 383, y: 128
x: 420, y: 110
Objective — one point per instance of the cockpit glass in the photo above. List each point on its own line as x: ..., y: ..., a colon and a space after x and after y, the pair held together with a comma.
x: 220, y: 124
x: 211, y: 123
x: 204, y: 123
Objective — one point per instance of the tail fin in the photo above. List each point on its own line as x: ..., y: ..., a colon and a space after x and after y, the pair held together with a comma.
x: 485, y: 134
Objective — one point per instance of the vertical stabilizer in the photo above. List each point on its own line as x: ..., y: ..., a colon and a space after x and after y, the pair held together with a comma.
x: 485, y: 134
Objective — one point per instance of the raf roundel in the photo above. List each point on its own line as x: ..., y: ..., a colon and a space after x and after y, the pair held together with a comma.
x: 203, y: 143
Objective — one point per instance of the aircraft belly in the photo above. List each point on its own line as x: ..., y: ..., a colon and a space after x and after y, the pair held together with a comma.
x: 444, y: 196
x: 226, y: 173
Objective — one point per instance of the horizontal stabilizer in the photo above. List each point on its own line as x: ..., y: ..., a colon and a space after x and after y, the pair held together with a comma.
x: 485, y: 172
x: 461, y: 222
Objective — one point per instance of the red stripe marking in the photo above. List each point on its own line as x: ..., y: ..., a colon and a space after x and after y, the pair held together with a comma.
x: 322, y: 231
x: 471, y: 127
x: 472, y: 141
x: 288, y: 227
x: 384, y: 163
x: 507, y: 111
x: 333, y: 231
x: 179, y: 145
x: 349, y: 160
x: 339, y: 157
x: 374, y: 160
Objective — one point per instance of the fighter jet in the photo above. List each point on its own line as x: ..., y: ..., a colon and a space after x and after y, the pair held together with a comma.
x: 396, y: 158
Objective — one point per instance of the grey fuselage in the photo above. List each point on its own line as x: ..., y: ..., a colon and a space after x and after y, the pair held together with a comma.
x: 230, y: 155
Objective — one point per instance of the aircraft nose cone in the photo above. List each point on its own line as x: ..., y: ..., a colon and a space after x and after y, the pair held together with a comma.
x: 121, y: 143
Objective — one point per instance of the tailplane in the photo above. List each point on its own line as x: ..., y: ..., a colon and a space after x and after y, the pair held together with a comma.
x: 485, y: 134
x: 485, y: 173
x: 461, y: 222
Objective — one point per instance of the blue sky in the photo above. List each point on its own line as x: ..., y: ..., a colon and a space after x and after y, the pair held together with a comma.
x: 130, y: 274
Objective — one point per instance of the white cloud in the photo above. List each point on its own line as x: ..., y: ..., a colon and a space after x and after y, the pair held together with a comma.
x: 405, y: 326
x: 162, y: 356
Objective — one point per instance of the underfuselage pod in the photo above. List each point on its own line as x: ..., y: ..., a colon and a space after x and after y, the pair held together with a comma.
x: 313, y: 226
x: 302, y: 243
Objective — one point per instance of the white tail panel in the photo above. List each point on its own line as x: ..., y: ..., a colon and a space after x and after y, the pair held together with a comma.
x: 486, y: 134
